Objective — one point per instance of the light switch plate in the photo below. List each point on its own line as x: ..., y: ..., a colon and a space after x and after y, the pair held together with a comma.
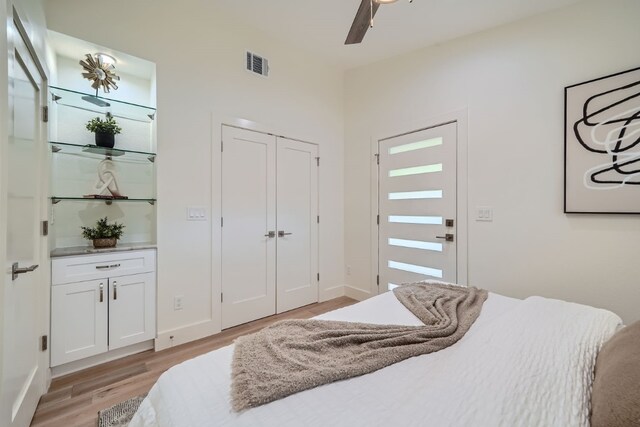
x: 484, y: 213
x: 196, y: 213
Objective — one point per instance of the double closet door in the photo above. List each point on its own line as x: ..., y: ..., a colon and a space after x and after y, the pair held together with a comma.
x: 269, y: 225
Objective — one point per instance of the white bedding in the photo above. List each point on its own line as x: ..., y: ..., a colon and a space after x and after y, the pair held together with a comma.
x: 523, y: 363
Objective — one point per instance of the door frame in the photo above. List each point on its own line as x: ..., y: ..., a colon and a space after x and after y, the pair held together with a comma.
x: 460, y: 117
x: 219, y: 120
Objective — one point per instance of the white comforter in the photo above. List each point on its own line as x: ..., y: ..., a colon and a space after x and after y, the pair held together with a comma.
x: 523, y: 363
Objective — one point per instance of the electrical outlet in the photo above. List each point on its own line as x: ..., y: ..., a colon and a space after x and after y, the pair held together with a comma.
x: 177, y: 302
x: 348, y: 270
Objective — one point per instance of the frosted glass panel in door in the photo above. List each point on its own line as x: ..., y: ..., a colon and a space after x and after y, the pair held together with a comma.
x: 297, y: 207
x: 417, y: 195
x: 249, y: 214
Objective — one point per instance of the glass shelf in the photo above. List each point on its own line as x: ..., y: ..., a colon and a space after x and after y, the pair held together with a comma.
x: 57, y: 199
x: 91, y: 150
x: 102, y: 105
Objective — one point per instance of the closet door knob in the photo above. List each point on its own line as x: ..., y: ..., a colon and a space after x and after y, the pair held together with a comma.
x: 270, y: 234
x: 281, y: 233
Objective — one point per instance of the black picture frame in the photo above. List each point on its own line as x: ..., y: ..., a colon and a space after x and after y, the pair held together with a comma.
x: 615, y: 91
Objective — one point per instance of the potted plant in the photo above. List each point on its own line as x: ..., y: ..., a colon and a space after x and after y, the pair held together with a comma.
x: 105, y: 130
x: 103, y: 235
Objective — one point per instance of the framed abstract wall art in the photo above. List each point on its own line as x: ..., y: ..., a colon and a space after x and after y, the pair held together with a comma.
x: 602, y: 145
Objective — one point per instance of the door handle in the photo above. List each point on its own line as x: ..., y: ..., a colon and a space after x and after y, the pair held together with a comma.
x: 101, y: 292
x: 448, y: 237
x: 115, y: 290
x: 16, y: 271
x: 270, y: 234
x: 281, y: 233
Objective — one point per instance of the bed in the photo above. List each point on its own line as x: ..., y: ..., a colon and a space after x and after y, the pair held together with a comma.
x: 523, y: 362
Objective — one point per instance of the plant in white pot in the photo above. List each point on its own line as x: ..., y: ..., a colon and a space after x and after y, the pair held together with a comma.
x: 103, y: 235
x: 105, y: 130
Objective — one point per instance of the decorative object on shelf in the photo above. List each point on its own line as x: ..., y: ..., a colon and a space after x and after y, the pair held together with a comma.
x: 105, y: 130
x: 100, y: 72
x: 602, y: 149
x: 103, y: 235
x: 106, y: 182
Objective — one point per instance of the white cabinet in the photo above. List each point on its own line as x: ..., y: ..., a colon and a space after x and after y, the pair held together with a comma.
x: 78, y: 321
x: 101, y: 303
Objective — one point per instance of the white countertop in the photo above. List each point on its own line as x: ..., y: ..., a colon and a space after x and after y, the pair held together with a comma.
x: 83, y: 250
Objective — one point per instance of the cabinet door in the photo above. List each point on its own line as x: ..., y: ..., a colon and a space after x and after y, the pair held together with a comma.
x: 132, y: 317
x: 78, y: 321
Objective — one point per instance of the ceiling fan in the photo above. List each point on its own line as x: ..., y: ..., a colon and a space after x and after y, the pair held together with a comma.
x: 364, y: 19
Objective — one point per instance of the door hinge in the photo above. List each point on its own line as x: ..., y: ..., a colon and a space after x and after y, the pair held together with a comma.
x: 318, y: 161
x: 318, y: 219
x: 378, y: 219
x: 318, y: 277
x: 45, y: 114
x: 221, y: 146
x: 45, y: 228
x: 221, y: 221
x: 377, y: 158
x: 44, y: 343
x: 378, y: 280
x: 221, y: 297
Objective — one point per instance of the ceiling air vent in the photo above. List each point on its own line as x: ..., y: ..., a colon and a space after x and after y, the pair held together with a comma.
x: 257, y: 64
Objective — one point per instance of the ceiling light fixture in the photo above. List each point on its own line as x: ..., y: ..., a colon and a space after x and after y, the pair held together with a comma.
x: 106, y: 59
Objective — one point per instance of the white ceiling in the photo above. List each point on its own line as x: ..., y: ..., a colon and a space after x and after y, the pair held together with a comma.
x: 322, y: 25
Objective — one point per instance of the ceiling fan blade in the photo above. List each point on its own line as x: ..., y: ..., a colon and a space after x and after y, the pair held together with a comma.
x: 361, y: 22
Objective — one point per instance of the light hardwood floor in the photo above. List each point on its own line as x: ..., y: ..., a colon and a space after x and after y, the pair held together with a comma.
x: 75, y: 399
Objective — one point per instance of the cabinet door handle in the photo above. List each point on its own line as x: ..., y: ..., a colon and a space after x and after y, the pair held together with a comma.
x: 101, y: 292
x: 282, y: 233
x: 115, y: 291
x: 102, y: 267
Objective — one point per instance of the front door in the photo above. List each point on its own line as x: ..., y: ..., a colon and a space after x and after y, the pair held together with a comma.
x: 417, y: 206
x: 24, y: 293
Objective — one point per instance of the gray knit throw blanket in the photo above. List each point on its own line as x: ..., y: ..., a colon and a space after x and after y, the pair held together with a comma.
x: 295, y: 355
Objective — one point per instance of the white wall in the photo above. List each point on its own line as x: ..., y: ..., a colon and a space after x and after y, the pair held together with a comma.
x: 199, y: 56
x: 511, y: 80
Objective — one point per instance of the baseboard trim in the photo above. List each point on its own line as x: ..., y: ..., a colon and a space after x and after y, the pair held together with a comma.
x: 195, y: 331
x: 356, y: 293
x: 331, y: 293
x: 99, y: 359
x: 184, y: 334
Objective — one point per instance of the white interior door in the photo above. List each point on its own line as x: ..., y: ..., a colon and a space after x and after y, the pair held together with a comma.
x: 297, y: 218
x: 417, y: 206
x: 248, y: 258
x: 23, y: 370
